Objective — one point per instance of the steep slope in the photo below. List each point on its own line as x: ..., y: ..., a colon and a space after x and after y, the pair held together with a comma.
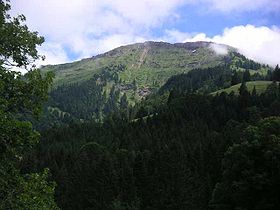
x: 145, y: 62
x: 95, y: 87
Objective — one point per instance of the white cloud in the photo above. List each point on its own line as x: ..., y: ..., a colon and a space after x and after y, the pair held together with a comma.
x: 54, y: 54
x: 259, y: 43
x: 106, y: 43
x: 87, y: 27
x: 92, y: 25
x: 145, y: 12
x: 243, y: 5
x: 219, y: 49
x: 174, y: 36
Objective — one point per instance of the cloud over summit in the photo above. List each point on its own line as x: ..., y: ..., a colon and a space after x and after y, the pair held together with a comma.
x: 258, y: 43
x: 78, y: 29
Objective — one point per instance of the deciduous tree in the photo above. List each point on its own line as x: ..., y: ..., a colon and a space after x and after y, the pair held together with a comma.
x: 20, y: 94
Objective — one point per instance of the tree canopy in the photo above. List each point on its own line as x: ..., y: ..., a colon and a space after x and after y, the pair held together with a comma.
x: 17, y: 43
x: 20, y: 95
x: 251, y: 173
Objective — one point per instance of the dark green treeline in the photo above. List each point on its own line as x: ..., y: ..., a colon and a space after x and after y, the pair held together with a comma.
x: 196, y: 152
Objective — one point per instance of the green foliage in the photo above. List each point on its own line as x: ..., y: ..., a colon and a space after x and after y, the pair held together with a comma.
x: 246, y: 76
x: 148, y: 64
x: 82, y: 89
x: 251, y: 170
x: 20, y: 96
x: 236, y: 78
x: 41, y: 191
x: 18, y: 44
x: 178, y: 150
x: 171, y: 159
x: 243, y: 91
x: 199, y: 80
x: 276, y: 74
x: 260, y: 87
x: 18, y: 138
x: 241, y: 62
x: 23, y: 93
x: 30, y: 191
x: 144, y: 62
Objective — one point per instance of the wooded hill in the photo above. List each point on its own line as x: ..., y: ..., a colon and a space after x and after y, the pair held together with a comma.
x: 101, y: 148
x: 196, y: 152
x: 179, y: 148
x: 92, y: 88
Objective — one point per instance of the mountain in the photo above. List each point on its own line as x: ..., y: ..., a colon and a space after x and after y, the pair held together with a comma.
x: 146, y: 62
x: 181, y: 147
x: 95, y: 87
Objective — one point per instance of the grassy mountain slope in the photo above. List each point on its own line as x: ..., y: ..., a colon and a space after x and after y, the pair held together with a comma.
x: 95, y: 87
x: 145, y: 62
x: 259, y: 85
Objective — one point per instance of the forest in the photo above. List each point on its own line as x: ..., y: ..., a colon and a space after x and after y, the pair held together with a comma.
x: 184, y: 146
x: 197, y: 152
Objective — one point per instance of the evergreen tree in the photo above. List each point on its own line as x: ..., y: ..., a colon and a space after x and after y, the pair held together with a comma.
x: 124, y: 102
x: 243, y: 91
x: 272, y: 90
x: 169, y: 160
x: 235, y: 79
x: 276, y: 73
x: 246, y: 76
x: 250, y: 173
x: 254, y: 92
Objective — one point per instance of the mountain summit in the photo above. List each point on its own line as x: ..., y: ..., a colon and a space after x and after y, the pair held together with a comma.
x: 146, y: 62
x: 95, y: 87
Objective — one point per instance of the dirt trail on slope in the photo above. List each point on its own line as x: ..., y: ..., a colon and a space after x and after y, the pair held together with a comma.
x: 143, y: 56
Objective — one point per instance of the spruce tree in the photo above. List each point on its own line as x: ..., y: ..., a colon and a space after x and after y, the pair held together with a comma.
x: 276, y: 73
x: 235, y: 78
x: 243, y: 90
x: 246, y: 76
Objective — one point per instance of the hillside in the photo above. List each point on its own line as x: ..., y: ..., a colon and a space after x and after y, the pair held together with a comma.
x: 174, y: 159
x: 259, y: 85
x: 96, y: 87
x: 144, y: 62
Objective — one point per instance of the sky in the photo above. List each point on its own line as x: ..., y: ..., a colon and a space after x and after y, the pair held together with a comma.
x: 77, y: 29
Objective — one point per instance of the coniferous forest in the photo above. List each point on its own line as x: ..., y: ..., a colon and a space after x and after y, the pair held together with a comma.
x: 206, y: 139
x: 196, y: 152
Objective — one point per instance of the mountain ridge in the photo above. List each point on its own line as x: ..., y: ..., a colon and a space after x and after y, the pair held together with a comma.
x: 130, y: 55
x: 96, y: 87
x: 187, y: 45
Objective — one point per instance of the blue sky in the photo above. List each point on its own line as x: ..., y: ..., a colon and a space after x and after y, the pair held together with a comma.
x: 76, y: 29
x: 213, y: 22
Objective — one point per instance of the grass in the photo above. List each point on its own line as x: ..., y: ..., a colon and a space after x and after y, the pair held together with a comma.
x: 260, y: 87
x: 149, y: 64
x: 156, y: 65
